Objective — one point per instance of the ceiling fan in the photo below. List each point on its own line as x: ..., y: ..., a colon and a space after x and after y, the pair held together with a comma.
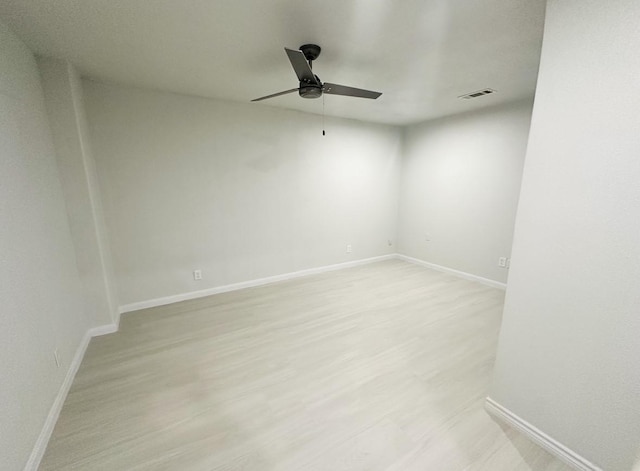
x: 310, y: 84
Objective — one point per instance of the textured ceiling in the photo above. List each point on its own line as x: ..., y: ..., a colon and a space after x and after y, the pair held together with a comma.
x: 422, y: 54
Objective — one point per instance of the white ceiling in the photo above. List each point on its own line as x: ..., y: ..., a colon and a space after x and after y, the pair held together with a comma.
x: 422, y: 54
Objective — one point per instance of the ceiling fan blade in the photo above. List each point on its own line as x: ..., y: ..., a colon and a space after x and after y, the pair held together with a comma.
x: 301, y: 66
x: 335, y: 89
x: 276, y: 94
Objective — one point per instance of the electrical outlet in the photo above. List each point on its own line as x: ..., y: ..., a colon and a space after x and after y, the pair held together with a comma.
x: 56, y: 357
x: 502, y: 262
x: 427, y: 237
x: 389, y: 242
x: 197, y: 275
x: 349, y: 248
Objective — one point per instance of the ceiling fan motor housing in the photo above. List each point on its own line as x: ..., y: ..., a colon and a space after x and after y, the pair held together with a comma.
x: 310, y: 90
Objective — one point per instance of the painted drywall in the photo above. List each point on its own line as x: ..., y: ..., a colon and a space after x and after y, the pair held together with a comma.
x: 40, y: 289
x: 459, y: 188
x: 240, y: 192
x: 64, y: 103
x: 568, y: 353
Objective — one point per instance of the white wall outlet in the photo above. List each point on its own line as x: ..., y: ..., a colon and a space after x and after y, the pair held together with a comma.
x: 349, y: 248
x: 389, y: 242
x: 427, y: 237
x: 56, y: 357
x: 197, y: 275
x: 502, y: 262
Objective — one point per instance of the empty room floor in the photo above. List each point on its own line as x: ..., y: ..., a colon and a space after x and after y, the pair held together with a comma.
x: 379, y: 367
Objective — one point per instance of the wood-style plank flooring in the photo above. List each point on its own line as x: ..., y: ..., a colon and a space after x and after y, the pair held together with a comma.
x: 382, y: 367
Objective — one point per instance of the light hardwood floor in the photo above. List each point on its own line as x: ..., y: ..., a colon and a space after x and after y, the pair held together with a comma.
x: 379, y: 367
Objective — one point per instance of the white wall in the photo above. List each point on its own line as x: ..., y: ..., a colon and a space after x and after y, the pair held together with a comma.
x: 569, y: 351
x: 460, y: 183
x: 64, y: 103
x: 40, y: 289
x: 239, y: 191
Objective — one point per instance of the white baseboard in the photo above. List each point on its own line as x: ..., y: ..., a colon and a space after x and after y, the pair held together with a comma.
x: 248, y: 284
x: 539, y: 437
x: 103, y: 330
x: 54, y: 412
x: 451, y: 271
x: 289, y: 276
x: 45, y: 434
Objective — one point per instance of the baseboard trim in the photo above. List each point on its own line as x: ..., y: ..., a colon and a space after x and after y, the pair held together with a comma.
x: 451, y: 271
x: 54, y: 412
x: 248, y: 284
x: 163, y: 301
x: 539, y: 437
x: 103, y: 330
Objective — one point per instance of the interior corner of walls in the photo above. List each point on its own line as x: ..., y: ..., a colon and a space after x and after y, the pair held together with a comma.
x: 65, y: 110
x: 72, y: 71
x: 537, y: 436
x: 103, y: 330
x: 106, y: 324
x: 452, y: 271
x: 479, y: 154
x: 115, y: 315
x: 39, y: 227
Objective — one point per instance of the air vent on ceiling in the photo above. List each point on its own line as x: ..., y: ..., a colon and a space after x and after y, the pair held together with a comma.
x: 483, y: 92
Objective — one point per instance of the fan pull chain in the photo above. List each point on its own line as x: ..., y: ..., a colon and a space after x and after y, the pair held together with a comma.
x: 323, y: 115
